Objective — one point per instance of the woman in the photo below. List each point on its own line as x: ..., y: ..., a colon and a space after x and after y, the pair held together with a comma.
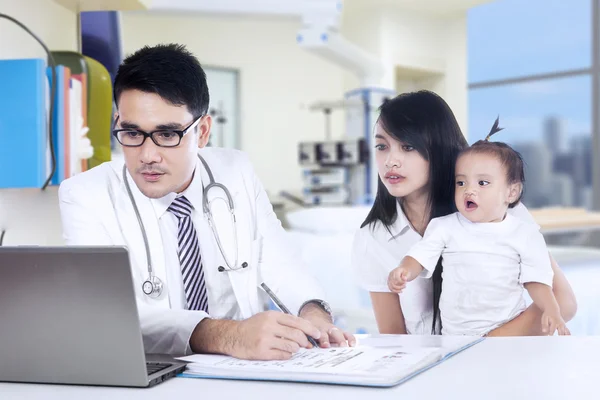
x: 417, y: 142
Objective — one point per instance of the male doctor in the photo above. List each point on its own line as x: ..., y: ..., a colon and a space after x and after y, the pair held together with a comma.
x: 194, y: 293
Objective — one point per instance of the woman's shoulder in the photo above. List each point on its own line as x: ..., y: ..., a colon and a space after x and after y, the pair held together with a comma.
x: 374, y: 231
x: 522, y: 213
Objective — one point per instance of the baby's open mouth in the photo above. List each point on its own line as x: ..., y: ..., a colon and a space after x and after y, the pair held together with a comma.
x: 470, y: 205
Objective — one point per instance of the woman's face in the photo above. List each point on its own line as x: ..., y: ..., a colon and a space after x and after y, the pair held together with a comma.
x: 402, y: 169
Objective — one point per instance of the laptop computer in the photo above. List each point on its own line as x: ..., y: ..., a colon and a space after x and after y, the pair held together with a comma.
x: 69, y: 316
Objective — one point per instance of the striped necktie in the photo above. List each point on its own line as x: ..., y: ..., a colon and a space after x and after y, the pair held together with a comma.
x: 189, y: 256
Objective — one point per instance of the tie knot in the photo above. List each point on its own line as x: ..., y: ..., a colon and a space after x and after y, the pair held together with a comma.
x: 181, y: 207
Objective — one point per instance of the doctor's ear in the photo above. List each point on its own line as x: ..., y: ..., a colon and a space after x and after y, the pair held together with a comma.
x: 204, y: 130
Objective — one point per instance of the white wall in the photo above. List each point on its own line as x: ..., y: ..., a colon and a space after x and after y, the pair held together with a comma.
x: 31, y: 216
x: 419, y: 49
x: 362, y: 27
x: 277, y: 81
x: 455, y: 91
x: 431, y: 45
x: 54, y: 24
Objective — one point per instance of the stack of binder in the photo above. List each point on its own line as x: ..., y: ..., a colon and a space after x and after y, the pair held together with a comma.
x: 25, y: 156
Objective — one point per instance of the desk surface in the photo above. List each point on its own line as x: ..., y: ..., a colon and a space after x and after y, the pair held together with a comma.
x: 497, y: 368
x: 565, y: 219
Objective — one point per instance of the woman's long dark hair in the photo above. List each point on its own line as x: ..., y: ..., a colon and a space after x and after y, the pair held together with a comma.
x: 424, y: 121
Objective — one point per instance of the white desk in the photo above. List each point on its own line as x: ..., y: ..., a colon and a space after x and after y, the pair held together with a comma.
x: 498, y: 368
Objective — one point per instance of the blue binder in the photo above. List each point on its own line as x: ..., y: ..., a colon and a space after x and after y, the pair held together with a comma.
x: 58, y: 123
x: 23, y: 133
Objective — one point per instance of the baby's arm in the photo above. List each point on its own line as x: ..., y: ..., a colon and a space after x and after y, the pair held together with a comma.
x: 422, y: 256
x: 408, y: 270
x: 542, y: 296
x: 536, y: 277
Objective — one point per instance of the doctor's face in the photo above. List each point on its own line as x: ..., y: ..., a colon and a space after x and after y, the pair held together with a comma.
x: 158, y: 171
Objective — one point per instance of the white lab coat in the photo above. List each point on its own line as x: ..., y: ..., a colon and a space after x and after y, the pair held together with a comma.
x: 96, y: 210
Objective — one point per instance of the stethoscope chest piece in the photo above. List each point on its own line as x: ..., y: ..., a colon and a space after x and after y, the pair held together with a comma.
x: 152, y: 287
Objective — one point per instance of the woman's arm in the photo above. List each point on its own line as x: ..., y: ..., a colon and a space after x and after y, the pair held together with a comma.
x: 529, y: 322
x: 563, y: 292
x: 388, y: 312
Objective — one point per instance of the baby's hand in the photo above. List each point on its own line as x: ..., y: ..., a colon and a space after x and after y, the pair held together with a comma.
x: 552, y: 321
x: 397, y: 279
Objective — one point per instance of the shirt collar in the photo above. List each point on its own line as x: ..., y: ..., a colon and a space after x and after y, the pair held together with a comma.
x: 193, y: 193
x: 488, y: 227
x: 401, y: 225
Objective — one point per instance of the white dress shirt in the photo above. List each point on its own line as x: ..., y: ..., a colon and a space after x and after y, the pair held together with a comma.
x: 218, y: 285
x: 485, y: 268
x: 377, y: 251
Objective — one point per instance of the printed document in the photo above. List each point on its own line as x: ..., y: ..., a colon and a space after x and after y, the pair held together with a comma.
x: 367, y: 365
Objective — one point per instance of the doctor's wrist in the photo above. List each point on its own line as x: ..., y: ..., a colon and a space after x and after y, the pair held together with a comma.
x: 315, y: 306
x: 214, y: 336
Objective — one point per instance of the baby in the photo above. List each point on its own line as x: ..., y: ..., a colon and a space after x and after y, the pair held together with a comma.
x: 488, y: 255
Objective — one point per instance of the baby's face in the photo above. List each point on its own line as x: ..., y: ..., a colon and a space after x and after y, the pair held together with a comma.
x: 482, y: 190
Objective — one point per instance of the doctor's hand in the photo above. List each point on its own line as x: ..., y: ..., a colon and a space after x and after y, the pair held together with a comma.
x: 330, y: 334
x: 270, y: 335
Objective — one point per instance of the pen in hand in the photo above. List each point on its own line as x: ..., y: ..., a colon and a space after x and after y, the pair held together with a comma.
x: 283, y: 308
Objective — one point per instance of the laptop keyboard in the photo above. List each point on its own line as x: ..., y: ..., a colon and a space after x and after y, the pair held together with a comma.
x: 153, y: 368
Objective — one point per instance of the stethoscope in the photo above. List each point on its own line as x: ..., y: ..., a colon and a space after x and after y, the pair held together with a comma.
x: 153, y: 286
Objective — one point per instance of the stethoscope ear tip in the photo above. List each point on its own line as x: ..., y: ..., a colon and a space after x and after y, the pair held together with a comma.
x: 222, y: 268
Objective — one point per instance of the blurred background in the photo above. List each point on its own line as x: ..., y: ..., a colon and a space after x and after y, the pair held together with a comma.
x: 296, y: 84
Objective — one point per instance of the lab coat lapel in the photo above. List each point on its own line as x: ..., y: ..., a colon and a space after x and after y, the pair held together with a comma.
x: 223, y: 224
x: 239, y: 277
x: 135, y: 241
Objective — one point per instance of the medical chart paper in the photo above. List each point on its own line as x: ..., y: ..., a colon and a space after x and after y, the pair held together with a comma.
x: 362, y: 365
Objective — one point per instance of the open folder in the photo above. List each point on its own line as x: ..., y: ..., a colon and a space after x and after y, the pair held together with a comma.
x: 381, y: 361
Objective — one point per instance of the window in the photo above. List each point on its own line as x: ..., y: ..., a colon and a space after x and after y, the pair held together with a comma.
x: 549, y: 123
x: 509, y: 38
x: 530, y: 62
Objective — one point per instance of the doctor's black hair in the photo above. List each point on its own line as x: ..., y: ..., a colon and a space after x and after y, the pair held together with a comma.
x: 424, y: 121
x: 170, y: 71
x: 508, y: 157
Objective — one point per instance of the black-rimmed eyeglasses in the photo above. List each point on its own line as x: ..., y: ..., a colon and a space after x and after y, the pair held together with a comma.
x: 131, y: 137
